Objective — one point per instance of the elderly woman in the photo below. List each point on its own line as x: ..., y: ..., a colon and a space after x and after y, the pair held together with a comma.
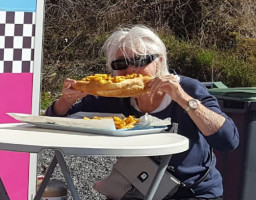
x: 185, y: 100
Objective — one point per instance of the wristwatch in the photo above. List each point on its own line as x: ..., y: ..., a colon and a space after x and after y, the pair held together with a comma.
x: 193, y: 104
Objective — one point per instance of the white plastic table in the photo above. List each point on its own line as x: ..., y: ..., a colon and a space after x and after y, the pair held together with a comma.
x: 29, y: 138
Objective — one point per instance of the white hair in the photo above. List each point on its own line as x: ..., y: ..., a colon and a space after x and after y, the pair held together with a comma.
x: 138, y: 39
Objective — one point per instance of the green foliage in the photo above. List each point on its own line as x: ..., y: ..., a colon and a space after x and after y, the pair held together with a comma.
x: 211, y: 63
x: 236, y: 72
x: 206, y: 40
x: 46, y: 99
x: 246, y: 47
x: 205, y: 57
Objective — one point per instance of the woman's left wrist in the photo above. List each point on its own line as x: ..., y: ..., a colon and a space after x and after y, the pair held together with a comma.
x: 183, y: 100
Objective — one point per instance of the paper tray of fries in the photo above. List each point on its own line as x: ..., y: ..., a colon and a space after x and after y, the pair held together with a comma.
x: 106, y: 126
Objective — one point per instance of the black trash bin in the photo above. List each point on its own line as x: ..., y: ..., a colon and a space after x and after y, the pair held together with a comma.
x: 238, y: 168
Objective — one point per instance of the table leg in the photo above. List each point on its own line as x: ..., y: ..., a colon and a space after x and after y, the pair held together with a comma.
x: 3, y: 192
x: 158, y: 177
x: 46, y: 178
x: 66, y: 174
x: 58, y: 158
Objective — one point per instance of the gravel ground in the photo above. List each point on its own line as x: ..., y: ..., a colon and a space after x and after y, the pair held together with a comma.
x: 84, y: 172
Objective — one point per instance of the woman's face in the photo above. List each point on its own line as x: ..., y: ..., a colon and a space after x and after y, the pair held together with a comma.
x: 150, y: 69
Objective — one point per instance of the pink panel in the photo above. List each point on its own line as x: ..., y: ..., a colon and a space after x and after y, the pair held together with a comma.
x: 16, y: 96
x: 14, y: 171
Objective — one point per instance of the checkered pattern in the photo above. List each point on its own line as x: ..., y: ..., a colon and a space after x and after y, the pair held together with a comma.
x: 17, y: 35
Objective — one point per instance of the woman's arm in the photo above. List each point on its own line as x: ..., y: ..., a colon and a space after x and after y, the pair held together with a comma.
x: 207, y: 121
x: 68, y: 97
x: 219, y: 130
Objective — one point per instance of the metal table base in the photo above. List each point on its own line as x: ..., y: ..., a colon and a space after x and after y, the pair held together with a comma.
x: 59, y: 159
x: 3, y: 192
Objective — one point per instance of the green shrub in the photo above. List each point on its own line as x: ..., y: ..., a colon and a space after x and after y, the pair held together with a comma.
x: 211, y: 64
x: 206, y: 40
x: 46, y: 99
x: 236, y: 72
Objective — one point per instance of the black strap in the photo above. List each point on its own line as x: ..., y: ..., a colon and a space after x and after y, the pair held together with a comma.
x: 191, y: 186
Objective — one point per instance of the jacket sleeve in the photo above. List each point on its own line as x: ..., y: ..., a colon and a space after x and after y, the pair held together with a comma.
x: 87, y: 104
x: 227, y: 137
x: 50, y: 111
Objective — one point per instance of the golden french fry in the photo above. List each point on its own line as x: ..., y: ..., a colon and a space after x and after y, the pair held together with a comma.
x: 120, y: 123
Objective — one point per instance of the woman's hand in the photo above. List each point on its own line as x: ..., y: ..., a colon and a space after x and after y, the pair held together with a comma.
x: 168, y: 84
x: 69, y: 94
x: 68, y: 97
x: 206, y: 120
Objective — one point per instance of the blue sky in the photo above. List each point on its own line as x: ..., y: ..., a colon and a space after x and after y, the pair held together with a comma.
x: 18, y: 5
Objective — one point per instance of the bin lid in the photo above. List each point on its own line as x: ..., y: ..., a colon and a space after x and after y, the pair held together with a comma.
x: 237, y: 93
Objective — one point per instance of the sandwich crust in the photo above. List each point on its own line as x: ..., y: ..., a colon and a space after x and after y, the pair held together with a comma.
x: 125, y: 86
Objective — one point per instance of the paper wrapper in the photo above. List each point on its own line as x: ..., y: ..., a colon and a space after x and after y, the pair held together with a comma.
x: 151, y: 121
x: 76, y: 120
x: 106, y: 124
x: 145, y: 121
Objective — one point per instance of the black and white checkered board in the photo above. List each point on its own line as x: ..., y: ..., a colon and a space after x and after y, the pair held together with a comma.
x: 17, y: 35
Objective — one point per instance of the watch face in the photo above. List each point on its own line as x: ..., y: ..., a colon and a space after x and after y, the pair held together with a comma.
x: 193, y: 104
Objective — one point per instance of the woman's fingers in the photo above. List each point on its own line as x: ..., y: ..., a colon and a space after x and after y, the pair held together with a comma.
x: 75, y: 94
x: 168, y: 84
x: 68, y: 83
x: 69, y: 93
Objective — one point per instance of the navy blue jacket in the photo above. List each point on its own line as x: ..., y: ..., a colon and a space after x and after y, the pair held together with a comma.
x: 188, y: 166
